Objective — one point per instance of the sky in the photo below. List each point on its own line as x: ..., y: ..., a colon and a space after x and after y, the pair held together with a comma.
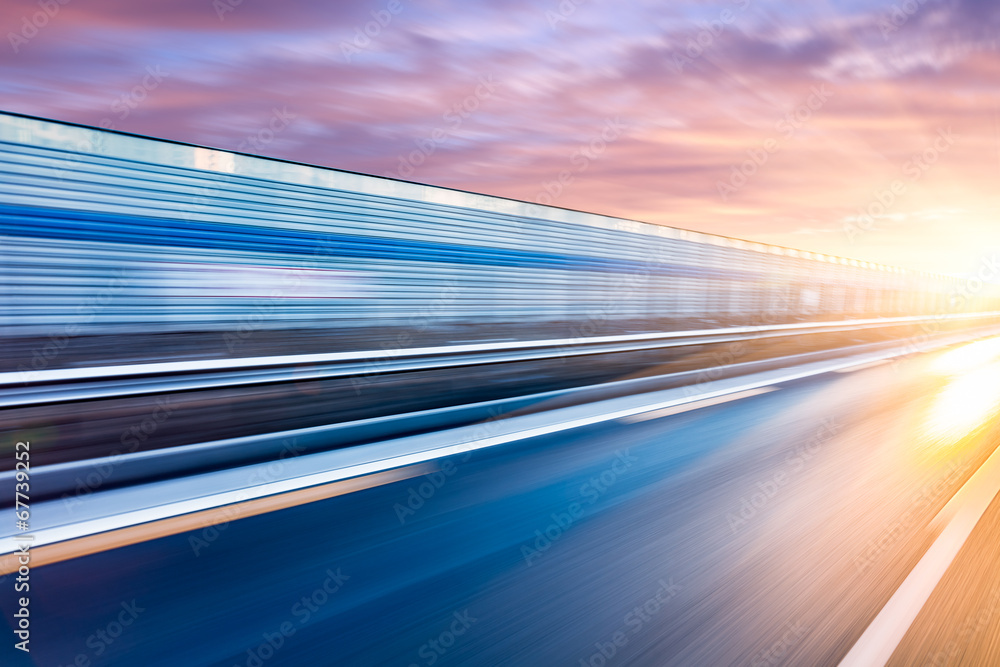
x: 868, y: 130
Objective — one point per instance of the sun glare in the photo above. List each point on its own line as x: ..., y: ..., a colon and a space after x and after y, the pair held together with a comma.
x: 968, y: 401
x: 968, y: 357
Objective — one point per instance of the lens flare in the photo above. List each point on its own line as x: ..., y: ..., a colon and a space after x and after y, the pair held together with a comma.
x: 966, y: 403
x: 968, y: 357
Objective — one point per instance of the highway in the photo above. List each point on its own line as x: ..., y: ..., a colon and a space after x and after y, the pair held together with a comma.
x: 810, y: 521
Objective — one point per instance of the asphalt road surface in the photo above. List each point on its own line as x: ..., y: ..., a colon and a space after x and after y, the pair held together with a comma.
x: 781, y: 528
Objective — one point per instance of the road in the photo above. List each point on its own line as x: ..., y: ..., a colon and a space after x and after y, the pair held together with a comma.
x: 771, y: 529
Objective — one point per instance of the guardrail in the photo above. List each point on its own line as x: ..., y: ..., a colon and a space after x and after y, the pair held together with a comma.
x: 76, y: 384
x: 377, y: 443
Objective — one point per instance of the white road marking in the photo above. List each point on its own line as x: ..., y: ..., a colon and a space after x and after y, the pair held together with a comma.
x: 77, y: 529
x: 883, y: 636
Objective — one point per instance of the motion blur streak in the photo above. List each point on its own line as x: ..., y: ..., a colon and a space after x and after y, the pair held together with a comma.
x: 677, y: 409
x: 882, y: 639
x: 968, y: 357
x: 968, y: 401
x: 115, y: 539
x: 768, y: 530
x: 125, y: 249
x: 971, y: 396
x: 286, y: 415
